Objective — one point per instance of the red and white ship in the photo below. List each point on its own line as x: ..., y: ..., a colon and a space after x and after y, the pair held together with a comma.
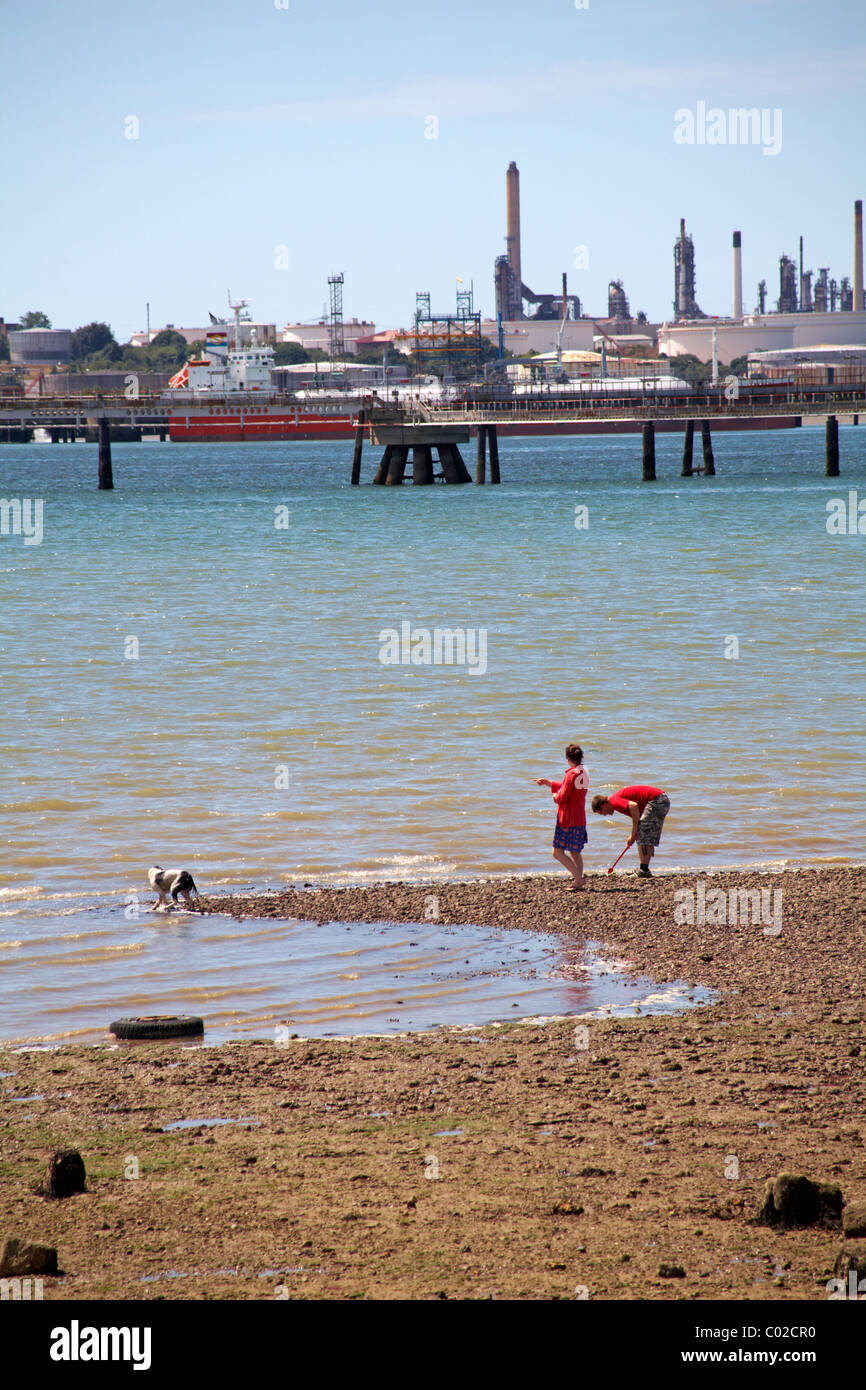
x: 228, y: 395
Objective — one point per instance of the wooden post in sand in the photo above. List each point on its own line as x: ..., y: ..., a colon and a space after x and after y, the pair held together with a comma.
x: 106, y: 479
x: 831, y: 447
x: 648, y: 451
x: 688, y: 445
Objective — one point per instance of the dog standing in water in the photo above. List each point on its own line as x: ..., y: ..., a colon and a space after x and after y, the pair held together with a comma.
x: 173, y: 883
x: 570, y: 835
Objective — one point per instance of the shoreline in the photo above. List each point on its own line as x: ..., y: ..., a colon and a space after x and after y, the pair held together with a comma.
x: 300, y: 884
x: 614, y: 910
x: 572, y: 1165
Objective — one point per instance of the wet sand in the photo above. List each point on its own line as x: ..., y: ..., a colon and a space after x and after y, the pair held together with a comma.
x: 577, y: 1167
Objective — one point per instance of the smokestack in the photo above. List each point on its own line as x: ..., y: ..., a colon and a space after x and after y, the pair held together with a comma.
x: 858, y: 255
x: 512, y: 216
x: 564, y: 295
x: 681, y: 284
x: 737, y: 299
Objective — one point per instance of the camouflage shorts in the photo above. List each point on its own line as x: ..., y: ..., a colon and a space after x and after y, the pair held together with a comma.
x: 649, y: 829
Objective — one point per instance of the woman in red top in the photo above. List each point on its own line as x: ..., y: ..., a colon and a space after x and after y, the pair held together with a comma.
x: 570, y: 835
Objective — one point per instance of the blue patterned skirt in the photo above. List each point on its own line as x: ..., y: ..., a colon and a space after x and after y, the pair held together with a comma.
x: 572, y: 839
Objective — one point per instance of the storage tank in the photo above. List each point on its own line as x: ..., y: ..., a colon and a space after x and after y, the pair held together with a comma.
x: 39, y: 347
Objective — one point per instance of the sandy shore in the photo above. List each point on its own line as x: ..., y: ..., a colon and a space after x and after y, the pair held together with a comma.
x: 574, y: 1168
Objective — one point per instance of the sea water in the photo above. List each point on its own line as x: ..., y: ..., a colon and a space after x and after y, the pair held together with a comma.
x: 228, y: 664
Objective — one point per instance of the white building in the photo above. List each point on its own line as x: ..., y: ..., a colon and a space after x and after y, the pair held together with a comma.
x: 317, y: 335
x: 520, y: 336
x: 754, y: 332
x: 265, y: 333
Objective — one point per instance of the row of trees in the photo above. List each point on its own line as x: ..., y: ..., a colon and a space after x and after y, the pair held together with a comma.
x: 94, y: 348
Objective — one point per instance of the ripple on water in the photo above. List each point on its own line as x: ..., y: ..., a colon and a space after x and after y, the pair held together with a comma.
x: 287, y: 980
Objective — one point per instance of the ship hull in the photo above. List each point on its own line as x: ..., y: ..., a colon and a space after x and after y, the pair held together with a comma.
x: 234, y: 427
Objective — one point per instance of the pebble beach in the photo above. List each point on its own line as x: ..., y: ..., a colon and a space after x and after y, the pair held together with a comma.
x: 524, y: 1160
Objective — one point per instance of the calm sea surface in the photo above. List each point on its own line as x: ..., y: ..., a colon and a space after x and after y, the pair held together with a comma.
x: 257, y: 738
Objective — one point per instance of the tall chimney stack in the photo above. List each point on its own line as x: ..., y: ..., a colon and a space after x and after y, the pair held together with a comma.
x: 737, y: 299
x: 858, y: 256
x: 512, y: 215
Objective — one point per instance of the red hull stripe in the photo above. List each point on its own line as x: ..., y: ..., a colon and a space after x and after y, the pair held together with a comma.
x: 230, y: 431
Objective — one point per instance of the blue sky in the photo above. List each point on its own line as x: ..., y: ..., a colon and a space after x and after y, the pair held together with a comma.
x: 306, y: 127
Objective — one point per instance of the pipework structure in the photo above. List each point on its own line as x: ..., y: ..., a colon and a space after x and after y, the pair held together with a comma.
x: 336, y: 345
x: 685, y: 304
x: 787, y: 301
x: 457, y: 334
x: 510, y: 290
x: 617, y: 302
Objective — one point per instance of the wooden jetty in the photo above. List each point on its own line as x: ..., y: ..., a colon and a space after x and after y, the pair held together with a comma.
x: 398, y: 436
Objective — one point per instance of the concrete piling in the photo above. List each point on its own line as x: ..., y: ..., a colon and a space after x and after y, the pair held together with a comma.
x: 422, y: 465
x: 356, y: 456
x: 384, y: 465
x: 106, y: 478
x: 648, y: 450
x: 831, y: 447
x: 397, y: 465
x: 453, y: 467
x: 398, y: 438
x: 481, y: 455
x: 493, y: 445
x: 707, y: 443
x: 688, y: 446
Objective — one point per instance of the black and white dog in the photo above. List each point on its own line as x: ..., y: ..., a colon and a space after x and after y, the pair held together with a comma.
x: 173, y: 883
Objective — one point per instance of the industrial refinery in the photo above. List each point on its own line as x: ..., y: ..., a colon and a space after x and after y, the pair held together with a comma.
x: 806, y: 313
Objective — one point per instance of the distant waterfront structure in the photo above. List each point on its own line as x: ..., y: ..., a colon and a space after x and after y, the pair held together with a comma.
x: 736, y: 338
x: 318, y: 335
x: 265, y: 333
x: 822, y: 365
x: 509, y: 288
x: 787, y: 301
x: 685, y: 303
x: 70, y: 383
x: 617, y: 302
x: 39, y: 347
x: 539, y: 335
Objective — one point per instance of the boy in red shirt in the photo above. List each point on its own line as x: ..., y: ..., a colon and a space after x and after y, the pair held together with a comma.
x: 647, y: 807
x: 570, y: 835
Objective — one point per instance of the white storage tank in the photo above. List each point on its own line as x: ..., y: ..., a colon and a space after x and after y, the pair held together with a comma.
x: 39, y: 347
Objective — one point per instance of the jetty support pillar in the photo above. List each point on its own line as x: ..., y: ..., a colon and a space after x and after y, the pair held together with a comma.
x: 688, y: 447
x: 106, y: 478
x: 493, y: 445
x: 397, y: 465
x: 707, y: 444
x: 422, y: 465
x: 831, y: 447
x: 359, y: 447
x: 398, y: 438
x: 648, y: 452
